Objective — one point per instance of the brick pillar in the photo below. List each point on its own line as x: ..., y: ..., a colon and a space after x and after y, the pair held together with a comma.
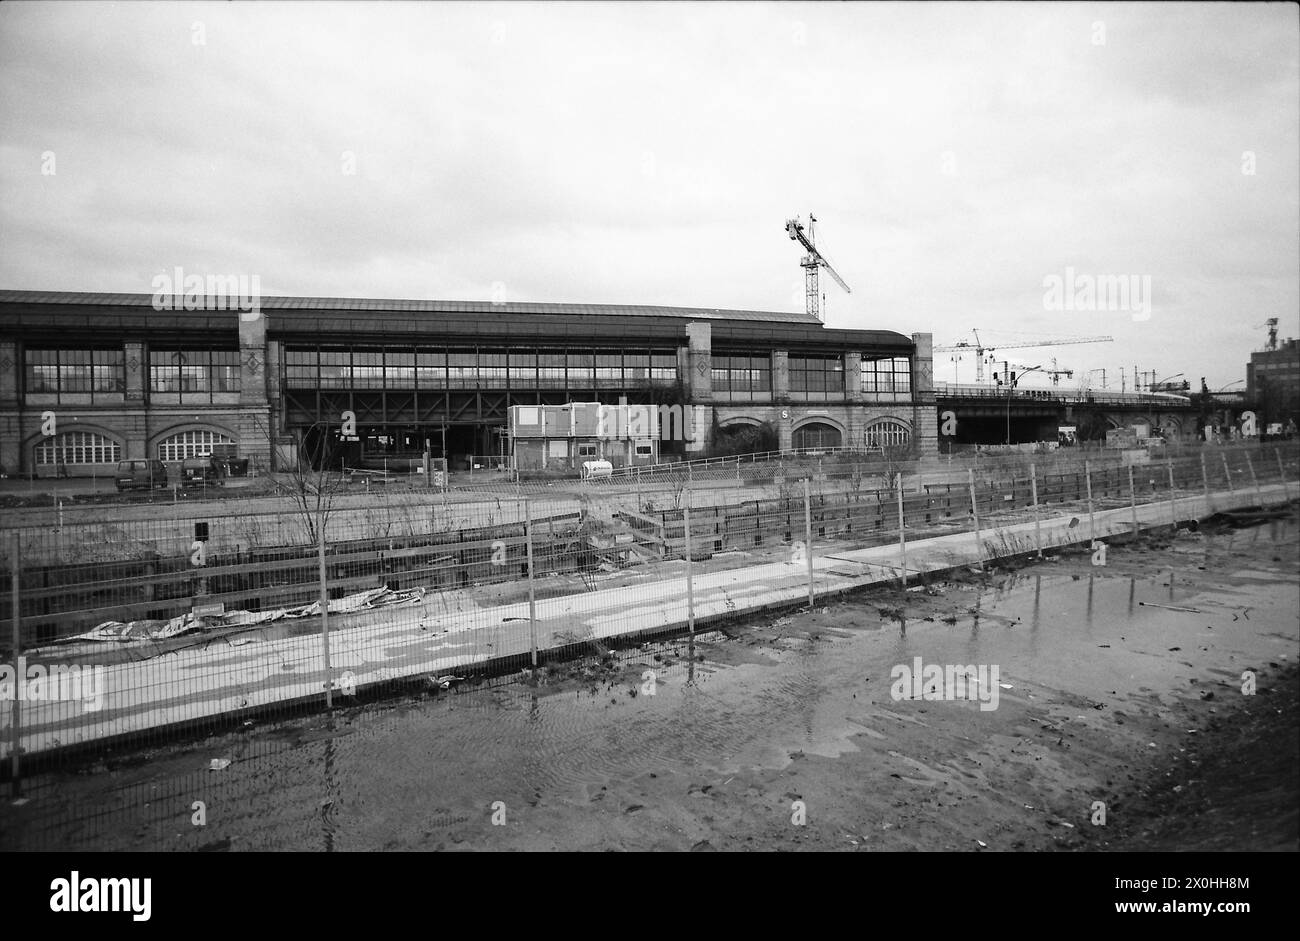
x: 853, y: 377
x: 780, y: 376
x: 11, y: 437
x: 699, y: 381
x: 137, y: 371
x: 925, y: 418
x: 252, y: 358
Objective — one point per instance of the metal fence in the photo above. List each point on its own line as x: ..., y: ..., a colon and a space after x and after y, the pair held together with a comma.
x: 132, y: 624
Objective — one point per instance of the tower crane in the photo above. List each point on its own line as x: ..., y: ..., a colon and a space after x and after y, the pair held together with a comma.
x: 980, y: 349
x: 811, y: 262
x: 1057, y: 372
x: 1271, y: 323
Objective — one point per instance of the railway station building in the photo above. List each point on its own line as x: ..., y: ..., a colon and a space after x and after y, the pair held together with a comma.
x: 87, y: 380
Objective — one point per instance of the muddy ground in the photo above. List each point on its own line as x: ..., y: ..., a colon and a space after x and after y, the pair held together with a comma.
x: 1119, y: 685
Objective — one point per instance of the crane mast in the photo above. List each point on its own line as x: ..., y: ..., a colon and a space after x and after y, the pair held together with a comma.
x: 811, y: 262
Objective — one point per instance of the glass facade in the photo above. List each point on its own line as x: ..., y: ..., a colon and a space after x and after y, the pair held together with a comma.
x: 816, y: 378
x: 742, y: 378
x: 482, y: 368
x: 886, y: 380
x: 79, y: 372
x: 196, y: 374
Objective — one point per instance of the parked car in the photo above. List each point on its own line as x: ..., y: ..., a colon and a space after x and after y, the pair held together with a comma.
x: 141, y: 475
x: 201, y: 472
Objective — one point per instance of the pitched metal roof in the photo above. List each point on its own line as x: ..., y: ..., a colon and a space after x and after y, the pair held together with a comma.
x: 385, y: 305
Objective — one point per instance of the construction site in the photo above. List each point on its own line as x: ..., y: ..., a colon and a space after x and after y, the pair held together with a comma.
x: 158, y: 624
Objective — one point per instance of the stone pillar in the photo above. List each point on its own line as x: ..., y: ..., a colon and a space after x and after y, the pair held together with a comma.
x: 10, y: 368
x: 137, y: 371
x: 699, y: 382
x: 923, y: 364
x: 11, y: 437
x: 925, y: 418
x: 252, y: 358
x: 785, y: 426
x: 780, y: 376
x: 853, y: 377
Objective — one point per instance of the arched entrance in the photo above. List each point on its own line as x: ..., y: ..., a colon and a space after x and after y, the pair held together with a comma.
x: 816, y: 434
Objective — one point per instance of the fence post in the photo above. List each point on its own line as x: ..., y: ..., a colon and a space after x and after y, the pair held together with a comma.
x: 324, y: 611
x: 807, y: 539
x: 1092, y: 518
x: 1227, y: 472
x: 1259, y: 494
x: 1132, y: 499
x: 1033, y: 493
x: 975, y: 512
x: 1173, y: 505
x: 1205, y: 484
x: 690, y: 581
x: 1281, y: 470
x: 902, y: 538
x: 532, y: 597
x: 15, y: 773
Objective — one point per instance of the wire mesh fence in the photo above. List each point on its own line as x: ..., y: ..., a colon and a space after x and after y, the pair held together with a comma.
x: 132, y: 625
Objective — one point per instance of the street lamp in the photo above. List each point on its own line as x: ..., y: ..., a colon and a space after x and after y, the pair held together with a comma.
x: 1013, y: 380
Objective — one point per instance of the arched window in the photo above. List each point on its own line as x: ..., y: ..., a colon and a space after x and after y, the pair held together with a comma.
x: 816, y: 435
x: 77, y: 447
x: 190, y: 444
x: 886, y: 434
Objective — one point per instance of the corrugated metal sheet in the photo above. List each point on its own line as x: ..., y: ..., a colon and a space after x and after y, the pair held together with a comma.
x: 340, y: 304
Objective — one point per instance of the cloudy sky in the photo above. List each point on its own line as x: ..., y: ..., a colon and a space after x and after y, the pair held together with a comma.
x: 956, y: 156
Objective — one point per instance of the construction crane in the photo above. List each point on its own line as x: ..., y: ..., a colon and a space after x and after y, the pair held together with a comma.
x: 811, y: 262
x: 981, y: 350
x: 1271, y: 323
x: 1057, y: 372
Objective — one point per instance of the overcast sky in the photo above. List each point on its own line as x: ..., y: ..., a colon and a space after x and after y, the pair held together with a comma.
x: 956, y: 155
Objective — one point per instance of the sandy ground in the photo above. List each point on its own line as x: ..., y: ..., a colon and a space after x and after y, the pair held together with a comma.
x: 1123, y: 689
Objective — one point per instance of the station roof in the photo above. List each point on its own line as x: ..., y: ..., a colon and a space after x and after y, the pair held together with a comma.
x: 369, y: 319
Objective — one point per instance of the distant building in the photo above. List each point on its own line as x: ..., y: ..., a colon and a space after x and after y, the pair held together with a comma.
x: 87, y: 380
x: 1273, y: 381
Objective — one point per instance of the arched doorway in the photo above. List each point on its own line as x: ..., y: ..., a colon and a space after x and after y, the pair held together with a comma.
x: 816, y: 434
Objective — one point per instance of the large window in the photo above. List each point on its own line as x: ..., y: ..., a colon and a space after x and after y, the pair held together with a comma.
x: 816, y: 378
x: 468, y: 368
x: 190, y: 444
x: 194, y: 373
x: 301, y: 369
x: 77, y: 447
x: 368, y: 369
x: 335, y: 369
x: 742, y: 378
x: 886, y: 433
x: 886, y: 380
x: 75, y: 372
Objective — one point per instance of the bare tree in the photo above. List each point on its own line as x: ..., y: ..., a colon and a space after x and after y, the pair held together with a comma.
x: 311, y: 489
